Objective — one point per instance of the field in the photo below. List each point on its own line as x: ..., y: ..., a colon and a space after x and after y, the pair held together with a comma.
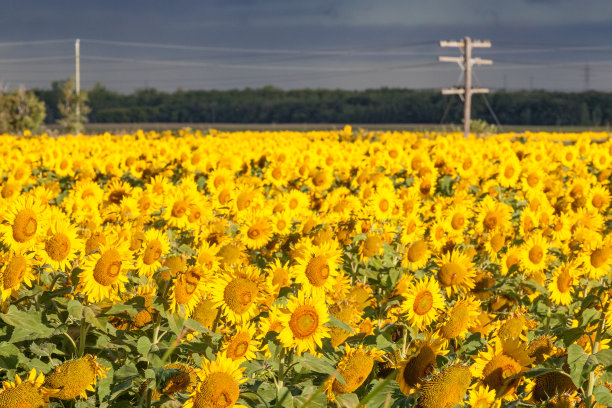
x: 339, y: 268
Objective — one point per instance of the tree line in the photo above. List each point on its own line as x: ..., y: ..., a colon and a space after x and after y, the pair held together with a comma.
x: 273, y: 105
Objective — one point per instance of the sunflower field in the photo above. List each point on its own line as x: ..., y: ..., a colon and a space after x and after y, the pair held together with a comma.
x: 305, y: 269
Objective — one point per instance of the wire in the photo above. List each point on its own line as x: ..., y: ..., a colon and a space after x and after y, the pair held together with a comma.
x: 487, y: 102
x: 38, y: 42
x: 35, y: 59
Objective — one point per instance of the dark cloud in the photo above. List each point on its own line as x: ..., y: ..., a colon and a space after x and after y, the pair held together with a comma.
x: 372, y: 30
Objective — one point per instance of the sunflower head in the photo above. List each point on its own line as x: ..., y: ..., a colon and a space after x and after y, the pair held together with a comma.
x: 74, y: 378
x: 446, y: 389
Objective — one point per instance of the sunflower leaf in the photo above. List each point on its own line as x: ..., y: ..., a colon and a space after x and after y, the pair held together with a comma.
x: 335, y: 322
x: 580, y: 363
x: 603, y: 396
x: 604, y: 357
x: 75, y: 308
x: 590, y: 315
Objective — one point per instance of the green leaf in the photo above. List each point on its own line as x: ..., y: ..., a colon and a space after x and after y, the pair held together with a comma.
x: 90, y: 317
x: 603, y: 396
x: 590, y: 315
x: 75, y: 308
x: 580, y: 363
x: 143, y: 346
x: 335, y: 322
x: 569, y: 336
x: 175, y: 322
x: 604, y: 357
x: 126, y: 370
x: 311, y: 397
x: 28, y: 325
x: 119, y: 308
x: 348, y: 400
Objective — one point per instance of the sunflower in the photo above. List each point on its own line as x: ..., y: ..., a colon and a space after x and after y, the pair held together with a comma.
x: 457, y: 219
x: 242, y: 345
x: 205, y: 313
x: 456, y: 272
x: 354, y: 367
x: 218, y: 385
x: 280, y: 274
x: 371, y: 246
x: 153, y: 248
x: 381, y: 204
x: 534, y: 253
x: 257, y: 231
x: 303, y: 324
x: 239, y: 292
x: 462, y: 316
x: 596, y: 258
x: 346, y: 312
x: 29, y: 393
x: 499, y: 364
x: 446, y: 389
x: 207, y: 257
x: 548, y: 385
x: 74, y: 378
x: 176, y: 209
x: 483, y: 397
x: 24, y: 223
x: 61, y: 244
x: 561, y: 286
x: 492, y: 215
x: 15, y: 270
x: 423, y: 300
x: 187, y: 289
x: 419, y: 363
x: 104, y: 272
x: 116, y: 190
x: 180, y: 378
x: 317, y: 267
x: 416, y: 255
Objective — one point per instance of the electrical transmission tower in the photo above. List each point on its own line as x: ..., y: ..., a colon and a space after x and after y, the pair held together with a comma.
x: 466, y: 62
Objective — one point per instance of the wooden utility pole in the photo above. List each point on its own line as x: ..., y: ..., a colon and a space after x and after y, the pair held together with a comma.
x: 77, y: 75
x: 466, y: 63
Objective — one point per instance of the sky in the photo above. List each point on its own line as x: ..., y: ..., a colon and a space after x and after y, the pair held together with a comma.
x: 349, y: 44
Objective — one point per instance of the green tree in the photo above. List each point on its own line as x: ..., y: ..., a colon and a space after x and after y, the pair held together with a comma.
x: 73, y: 108
x: 20, y: 110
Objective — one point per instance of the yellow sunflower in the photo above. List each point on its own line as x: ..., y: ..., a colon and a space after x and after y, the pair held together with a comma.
x: 416, y: 255
x: 562, y: 284
x: 317, y: 267
x: 257, y: 231
x: 596, y: 258
x: 354, y: 367
x: 153, y: 248
x: 61, y: 244
x: 218, y: 385
x: 419, y: 363
x: 423, y: 300
x: 456, y: 274
x: 187, y: 289
x: 534, y: 253
x: 446, y: 389
x: 243, y: 344
x: 499, y: 365
x: 303, y: 323
x: 24, y: 223
x: 25, y: 393
x: 104, y: 272
x: 74, y: 378
x: 462, y: 316
x: 15, y: 270
x: 239, y: 292
x: 483, y: 397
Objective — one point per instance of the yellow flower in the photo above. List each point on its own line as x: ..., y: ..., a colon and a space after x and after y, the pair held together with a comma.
x: 15, y: 270
x: 24, y: 223
x: 561, y: 286
x: 104, y: 272
x: 446, y: 389
x: 354, y: 367
x: 303, y: 324
x: 74, y: 378
x: 456, y: 274
x: 423, y: 300
x: 317, y: 268
x: 218, y: 385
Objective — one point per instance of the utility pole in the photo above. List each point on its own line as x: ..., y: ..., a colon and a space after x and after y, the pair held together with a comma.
x: 77, y: 76
x: 466, y: 63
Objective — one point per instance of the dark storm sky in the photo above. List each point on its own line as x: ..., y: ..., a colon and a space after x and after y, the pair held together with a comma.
x: 351, y: 44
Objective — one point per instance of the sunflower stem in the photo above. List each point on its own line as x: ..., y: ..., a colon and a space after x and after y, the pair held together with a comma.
x: 82, y: 337
x: 594, y: 349
x: 216, y: 321
x: 281, y: 365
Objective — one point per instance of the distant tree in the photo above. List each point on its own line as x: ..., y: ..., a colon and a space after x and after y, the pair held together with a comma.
x: 73, y: 108
x: 20, y: 111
